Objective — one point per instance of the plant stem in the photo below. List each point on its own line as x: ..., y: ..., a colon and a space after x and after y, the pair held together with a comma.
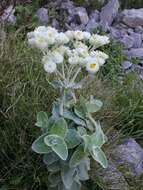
x: 76, y: 74
x: 92, y: 120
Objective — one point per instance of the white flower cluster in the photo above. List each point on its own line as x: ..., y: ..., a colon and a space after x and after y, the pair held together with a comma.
x: 75, y: 48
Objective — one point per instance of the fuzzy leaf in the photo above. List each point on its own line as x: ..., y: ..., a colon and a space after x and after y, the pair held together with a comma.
x: 93, y: 106
x: 71, y: 116
x: 72, y: 138
x: 99, y: 156
x: 39, y: 145
x: 50, y: 158
x: 54, y: 179
x: 98, y: 138
x: 82, y: 131
x: 83, y: 168
x: 67, y: 176
x: 58, y: 145
x: 77, y: 157
x: 79, y: 112
x: 87, y: 142
x: 54, y: 167
x: 42, y: 120
x: 59, y: 128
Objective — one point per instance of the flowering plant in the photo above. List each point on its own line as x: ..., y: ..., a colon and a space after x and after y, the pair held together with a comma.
x: 70, y: 135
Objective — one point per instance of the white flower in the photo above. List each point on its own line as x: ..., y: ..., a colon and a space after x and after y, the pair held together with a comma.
x: 98, y: 40
x: 49, y: 65
x: 86, y: 35
x: 82, y: 52
x: 30, y: 35
x: 70, y: 34
x: 92, y: 65
x: 57, y: 57
x: 53, y: 30
x: 79, y: 44
x: 62, y: 49
x: 73, y: 60
x: 101, y: 56
x: 62, y: 38
x: 78, y: 35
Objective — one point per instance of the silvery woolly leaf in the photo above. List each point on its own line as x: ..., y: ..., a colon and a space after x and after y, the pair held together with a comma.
x: 87, y: 142
x: 42, y: 120
x: 93, y: 105
x: 89, y: 125
x: 98, y: 138
x: 54, y: 179
x: 81, y: 131
x: 83, y: 170
x: 71, y: 116
x: 39, y: 145
x: 79, y: 112
x: 54, y: 167
x: 99, y: 156
x: 77, y: 157
x: 58, y: 145
x: 72, y: 138
x: 56, y: 110
x: 50, y: 158
x: 59, y: 128
x: 67, y: 176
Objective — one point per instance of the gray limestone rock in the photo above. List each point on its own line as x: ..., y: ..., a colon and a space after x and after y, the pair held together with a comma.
x: 8, y: 15
x: 134, y: 52
x: 92, y: 25
x: 42, y: 15
x: 109, y: 13
x: 94, y: 15
x: 81, y: 15
x: 127, y: 41
x: 127, y: 65
x: 137, y: 38
x: 132, y: 17
x: 111, y: 178
x: 131, y: 154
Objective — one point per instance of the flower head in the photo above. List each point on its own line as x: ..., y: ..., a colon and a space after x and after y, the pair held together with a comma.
x: 92, y: 65
x: 49, y: 65
x: 98, y: 40
x: 57, y: 57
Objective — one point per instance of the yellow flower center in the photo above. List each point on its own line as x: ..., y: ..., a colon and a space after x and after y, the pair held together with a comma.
x: 92, y: 65
x: 40, y: 40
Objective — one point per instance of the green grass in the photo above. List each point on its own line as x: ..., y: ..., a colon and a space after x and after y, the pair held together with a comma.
x: 24, y: 91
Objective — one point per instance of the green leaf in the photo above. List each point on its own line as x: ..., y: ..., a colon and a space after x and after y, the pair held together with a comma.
x: 54, y: 167
x: 99, y: 156
x: 77, y: 157
x: 81, y: 131
x: 42, y: 120
x: 50, y: 158
x: 58, y: 145
x: 87, y: 142
x: 79, y: 112
x: 54, y: 179
x: 93, y: 105
x: 72, y: 138
x: 98, y: 138
x: 83, y: 168
x: 71, y: 116
x: 59, y: 128
x: 67, y: 176
x: 39, y: 145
